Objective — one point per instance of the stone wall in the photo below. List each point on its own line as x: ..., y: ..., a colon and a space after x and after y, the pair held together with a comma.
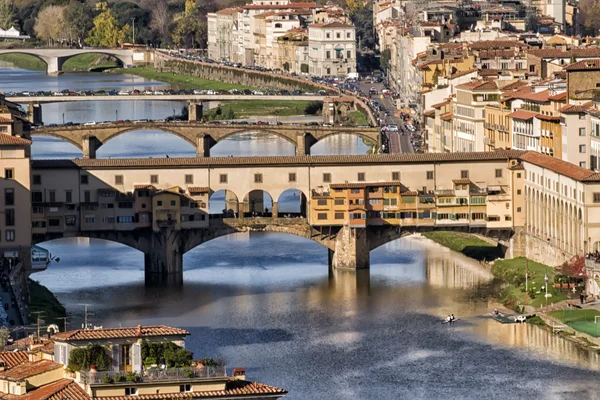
x: 523, y: 244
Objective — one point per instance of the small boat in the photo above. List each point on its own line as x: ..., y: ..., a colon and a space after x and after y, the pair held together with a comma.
x: 450, y: 322
x: 502, y: 318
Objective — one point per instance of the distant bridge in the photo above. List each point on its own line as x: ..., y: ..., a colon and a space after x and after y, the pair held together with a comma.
x: 194, y: 98
x: 55, y: 58
x: 202, y: 136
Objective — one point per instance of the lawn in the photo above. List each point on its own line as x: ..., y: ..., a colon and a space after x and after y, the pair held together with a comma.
x: 182, y: 81
x: 469, y: 245
x: 264, y: 108
x: 359, y: 118
x: 43, y: 300
x: 580, y: 320
x: 512, y: 271
x: 24, y: 61
x: 84, y: 62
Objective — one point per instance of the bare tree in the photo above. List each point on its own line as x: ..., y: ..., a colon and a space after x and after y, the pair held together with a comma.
x: 161, y: 18
x: 50, y: 25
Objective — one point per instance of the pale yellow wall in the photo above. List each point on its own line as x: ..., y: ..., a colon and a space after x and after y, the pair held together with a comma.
x: 20, y: 184
x: 44, y: 378
x: 119, y: 390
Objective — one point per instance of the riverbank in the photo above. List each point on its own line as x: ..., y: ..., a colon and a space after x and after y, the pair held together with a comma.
x: 43, y: 301
x: 467, y: 244
x: 84, y: 62
x: 253, y: 108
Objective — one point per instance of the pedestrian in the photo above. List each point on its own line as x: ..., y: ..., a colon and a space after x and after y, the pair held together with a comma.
x: 581, y: 297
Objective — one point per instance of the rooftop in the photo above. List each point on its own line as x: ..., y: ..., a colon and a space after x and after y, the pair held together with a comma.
x: 279, y: 6
x: 118, y: 333
x: 28, y: 369
x: 62, y: 389
x: 584, y: 65
x: 562, y: 167
x: 524, y: 115
x: 13, y: 358
x: 13, y: 140
x: 359, y: 185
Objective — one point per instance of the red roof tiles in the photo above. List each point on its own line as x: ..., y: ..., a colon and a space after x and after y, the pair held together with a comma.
x: 584, y: 65
x: 28, y: 369
x: 13, y: 140
x: 562, y: 167
x: 576, y: 108
x: 520, y: 114
x: 12, y: 358
x: 279, y: 6
x: 117, y: 333
x: 62, y: 389
x: 497, y: 44
x: 358, y: 185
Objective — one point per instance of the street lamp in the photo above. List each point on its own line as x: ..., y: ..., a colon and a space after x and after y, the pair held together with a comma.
x: 63, y: 118
x: 116, y: 115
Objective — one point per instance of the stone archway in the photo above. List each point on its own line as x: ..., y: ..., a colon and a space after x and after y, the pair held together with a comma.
x: 258, y: 203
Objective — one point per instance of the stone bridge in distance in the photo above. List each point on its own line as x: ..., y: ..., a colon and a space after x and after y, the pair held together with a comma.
x: 348, y: 248
x: 202, y: 136
x: 55, y: 58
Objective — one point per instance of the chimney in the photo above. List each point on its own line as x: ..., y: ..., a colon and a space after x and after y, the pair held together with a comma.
x: 239, y: 374
x: 139, y: 331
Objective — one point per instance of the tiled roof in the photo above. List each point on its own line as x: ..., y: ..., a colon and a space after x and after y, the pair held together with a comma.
x: 548, y: 118
x: 488, y: 72
x: 27, y: 369
x: 279, y: 6
x: 496, y: 44
x: 446, y: 117
x: 233, y: 389
x: 440, y: 105
x: 576, y: 108
x: 62, y: 389
x: 12, y: 358
x: 429, y: 113
x: 520, y: 114
x: 463, y: 181
x: 517, y: 167
x: 198, y: 189
x: 143, y: 187
x: 559, y: 53
x: 409, y: 193
x: 334, y: 24
x: 479, y: 85
x: 228, y: 11
x: 584, y: 65
x: 12, y: 140
x: 515, y: 85
x: 558, y: 97
x: 117, y: 333
x: 358, y: 185
x: 242, y: 162
x: 562, y: 167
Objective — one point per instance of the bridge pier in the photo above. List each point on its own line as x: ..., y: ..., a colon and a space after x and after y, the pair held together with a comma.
x: 204, y: 143
x: 163, y: 263
x: 34, y: 113
x: 304, y: 140
x: 195, y: 111
x: 54, y: 65
x: 351, y: 249
x: 90, y: 144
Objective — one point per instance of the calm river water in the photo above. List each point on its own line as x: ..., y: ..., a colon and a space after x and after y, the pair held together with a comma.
x: 267, y: 302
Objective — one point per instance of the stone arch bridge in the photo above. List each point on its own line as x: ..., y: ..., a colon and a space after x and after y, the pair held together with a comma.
x: 201, y: 136
x: 55, y: 58
x: 348, y: 248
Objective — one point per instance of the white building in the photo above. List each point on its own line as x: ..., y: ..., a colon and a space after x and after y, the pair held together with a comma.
x: 332, y: 49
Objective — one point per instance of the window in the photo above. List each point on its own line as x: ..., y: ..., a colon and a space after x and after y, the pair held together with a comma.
x: 52, y: 195
x: 581, y: 116
x: 70, y: 220
x: 338, y: 35
x: 348, y: 54
x: 395, y: 176
x: 189, y: 179
x: 518, y: 191
x: 172, y: 202
x: 36, y: 197
x: 499, y: 173
x: 507, y: 218
x: 328, y: 35
x: 9, y: 197
x: 125, y: 220
x: 223, y: 178
x: 355, y: 191
x: 361, y: 176
x: 322, y: 216
x: 581, y: 131
x: 54, y: 222
x: 9, y: 173
x: 327, y: 55
x: 292, y: 177
x: 257, y: 178
x: 124, y: 204
x: 518, y: 209
x: 89, y: 219
x: 518, y: 175
x: 597, y: 197
x: 118, y: 179
x: 327, y: 177
x: 429, y: 175
x: 464, y: 174
x: 188, y: 387
x: 9, y: 217
x: 339, y: 215
x: 348, y: 34
x: 87, y: 196
x: 84, y: 179
x: 37, y: 210
x: 10, y: 235
x: 68, y: 196
x: 339, y: 202
x: 153, y: 178
x: 159, y: 203
x: 131, y: 391
x: 322, y: 202
x: 582, y: 148
x: 36, y: 179
x: 582, y: 164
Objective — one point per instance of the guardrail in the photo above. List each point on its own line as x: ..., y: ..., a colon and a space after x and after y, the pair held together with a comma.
x: 152, y: 375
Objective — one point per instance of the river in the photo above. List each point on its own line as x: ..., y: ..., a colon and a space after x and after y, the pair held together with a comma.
x: 268, y: 302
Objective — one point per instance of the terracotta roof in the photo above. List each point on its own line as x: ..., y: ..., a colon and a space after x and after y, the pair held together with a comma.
x: 143, y: 187
x: 515, y: 85
x: 576, y: 108
x: 559, y: 53
x: 279, y: 6
x: 447, y: 116
x: 242, y: 162
x: 520, y: 114
x: 357, y: 185
x: 13, y: 140
x: 409, y: 193
x: 558, y: 97
x: 62, y: 389
x: 115, y: 333
x: 429, y: 113
x: 479, y: 85
x: 462, y: 73
x: 562, y: 167
x: 233, y: 389
x: 334, y: 24
x: 228, y: 11
x: 517, y: 167
x: 198, y: 189
x: 12, y: 358
x: 440, y: 105
x: 496, y: 44
x: 548, y: 118
x: 584, y: 65
x: 461, y: 181
x: 28, y: 369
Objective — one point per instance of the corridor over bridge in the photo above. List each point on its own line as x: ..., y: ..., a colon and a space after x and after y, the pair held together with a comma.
x: 202, y: 136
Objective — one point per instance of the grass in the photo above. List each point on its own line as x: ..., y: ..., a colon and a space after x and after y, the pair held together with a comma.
x: 466, y: 244
x: 580, y: 320
x: 181, y: 81
x: 82, y: 62
x: 512, y: 271
x: 264, y: 108
x: 358, y: 118
x: 42, y: 299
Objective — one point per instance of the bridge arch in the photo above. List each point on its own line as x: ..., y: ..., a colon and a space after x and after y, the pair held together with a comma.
x: 26, y: 53
x: 107, y: 137
x: 228, y: 207
x: 257, y: 202
x: 127, y: 238
x: 292, y: 202
x: 248, y: 131
x: 363, y: 136
x: 57, y: 135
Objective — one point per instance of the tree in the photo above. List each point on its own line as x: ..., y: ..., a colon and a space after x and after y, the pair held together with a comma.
x: 385, y: 58
x: 161, y: 17
x: 7, y: 15
x: 106, y: 31
x: 190, y: 32
x: 77, y: 21
x: 436, y: 75
x: 190, y: 7
x: 574, y: 268
x: 363, y: 21
x: 313, y: 108
x: 50, y: 25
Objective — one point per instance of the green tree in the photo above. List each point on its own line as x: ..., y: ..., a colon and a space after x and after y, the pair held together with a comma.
x: 106, y: 31
x: 363, y: 21
x: 77, y: 21
x: 190, y: 7
x: 7, y: 15
x: 385, y: 58
x: 190, y: 32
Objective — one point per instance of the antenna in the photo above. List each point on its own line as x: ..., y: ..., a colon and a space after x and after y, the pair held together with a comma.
x: 85, y: 315
x: 64, y: 322
x: 39, y: 321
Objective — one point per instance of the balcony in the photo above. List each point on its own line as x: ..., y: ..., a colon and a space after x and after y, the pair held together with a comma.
x: 444, y: 192
x: 152, y: 375
x: 321, y: 194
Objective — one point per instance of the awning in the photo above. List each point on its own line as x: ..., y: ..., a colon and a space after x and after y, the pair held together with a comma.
x: 494, y: 188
